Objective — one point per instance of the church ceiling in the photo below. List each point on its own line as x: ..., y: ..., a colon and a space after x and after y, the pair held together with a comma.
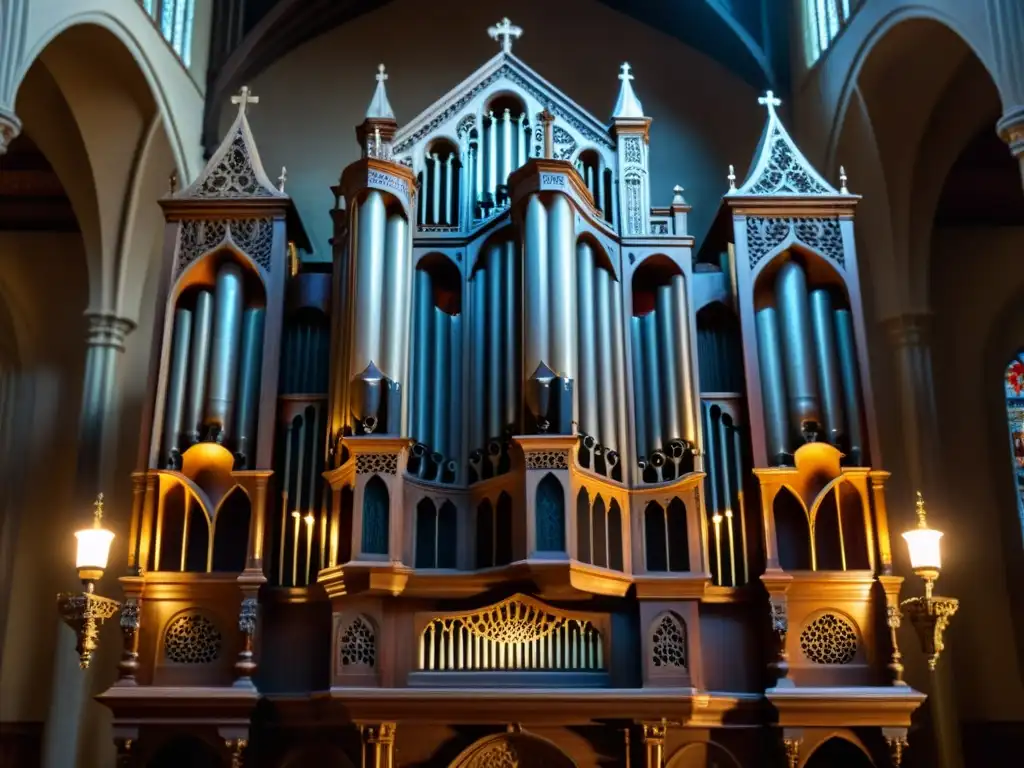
x: 747, y: 37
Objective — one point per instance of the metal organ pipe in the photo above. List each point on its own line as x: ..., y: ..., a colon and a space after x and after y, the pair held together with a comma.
x: 442, y: 381
x: 435, y: 187
x: 492, y: 156
x: 588, y: 336
x: 684, y: 386
x: 395, y: 331
x: 478, y: 422
x: 670, y: 424
x: 199, y: 365
x: 652, y: 376
x: 227, y: 333
x: 798, y: 352
x: 606, y: 403
x: 449, y: 189
x: 496, y: 382
x: 561, y: 285
x: 639, y: 386
x: 827, y: 363
x: 177, y: 381
x: 249, y: 383
x: 619, y: 372
x: 370, y: 238
x: 535, y: 280
x: 773, y: 386
x: 521, y: 156
x: 422, y: 399
x: 455, y: 450
x: 513, y: 375
x: 506, y: 147
x: 478, y: 166
x: 849, y: 371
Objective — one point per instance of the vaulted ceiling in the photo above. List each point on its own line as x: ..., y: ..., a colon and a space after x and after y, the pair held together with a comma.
x: 748, y: 37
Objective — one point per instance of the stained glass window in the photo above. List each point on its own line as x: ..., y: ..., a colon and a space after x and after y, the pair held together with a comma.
x: 823, y: 20
x: 1013, y: 384
x: 174, y: 19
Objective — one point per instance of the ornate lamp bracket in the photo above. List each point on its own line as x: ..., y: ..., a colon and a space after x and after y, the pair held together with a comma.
x: 930, y: 616
x: 85, y: 612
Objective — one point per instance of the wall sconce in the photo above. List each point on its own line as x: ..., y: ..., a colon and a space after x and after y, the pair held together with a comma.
x: 85, y: 611
x: 930, y: 614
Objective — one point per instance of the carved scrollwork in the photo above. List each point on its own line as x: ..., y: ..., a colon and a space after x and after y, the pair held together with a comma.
x: 823, y: 235
x: 377, y: 464
x: 785, y: 174
x: 565, y: 144
x: 197, y: 237
x: 547, y: 460
x: 235, y: 175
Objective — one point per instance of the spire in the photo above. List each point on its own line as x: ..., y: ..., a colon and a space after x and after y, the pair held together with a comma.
x: 628, y: 104
x: 379, y: 107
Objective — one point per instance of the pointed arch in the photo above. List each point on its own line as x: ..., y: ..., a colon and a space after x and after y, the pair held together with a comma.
x: 231, y: 531
x: 550, y: 515
x: 792, y: 531
x: 583, y: 553
x: 703, y: 754
x: 840, y: 750
x: 376, y: 517
x: 512, y: 749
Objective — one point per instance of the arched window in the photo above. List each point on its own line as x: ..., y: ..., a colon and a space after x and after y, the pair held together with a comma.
x: 1013, y: 383
x: 175, y: 19
x: 823, y: 19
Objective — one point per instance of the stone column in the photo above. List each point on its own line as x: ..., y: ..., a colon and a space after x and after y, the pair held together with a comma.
x: 1005, y: 21
x: 10, y: 127
x: 910, y: 336
x: 1011, y: 130
x: 13, y: 23
x: 97, y: 449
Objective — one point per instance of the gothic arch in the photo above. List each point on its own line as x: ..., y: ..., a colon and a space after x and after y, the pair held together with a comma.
x: 510, y: 749
x: 841, y: 749
x: 702, y: 754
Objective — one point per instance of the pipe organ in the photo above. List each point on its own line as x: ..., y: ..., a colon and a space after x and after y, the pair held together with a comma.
x: 518, y: 433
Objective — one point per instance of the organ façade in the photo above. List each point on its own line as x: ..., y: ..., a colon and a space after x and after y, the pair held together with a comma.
x: 520, y: 478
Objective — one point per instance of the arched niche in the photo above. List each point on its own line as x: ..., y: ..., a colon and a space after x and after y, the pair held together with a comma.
x: 839, y: 751
x: 440, y: 184
x: 598, y: 179
x: 445, y: 287
x: 840, y: 534
x: 436, y: 534
x: 376, y: 517
x: 666, y: 538
x: 703, y: 754
x: 615, y: 545
x: 185, y: 750
x: 583, y: 553
x: 503, y: 529
x: 792, y: 532
x: 184, y: 533
x: 550, y: 515
x: 653, y: 273
x: 502, y: 100
x: 512, y: 749
x: 346, y: 513
x: 719, y: 349
x: 668, y: 644
x: 231, y: 531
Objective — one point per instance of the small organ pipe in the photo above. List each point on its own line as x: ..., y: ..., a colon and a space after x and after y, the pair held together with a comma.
x: 227, y: 335
x: 478, y: 422
x: 684, y: 385
x: 773, y: 386
x: 605, y: 395
x: 249, y: 383
x: 455, y: 450
x: 618, y: 373
x: 478, y: 167
x: 174, y: 409
x: 285, y: 482
x: 849, y: 371
x: 370, y: 238
x: 710, y: 432
x: 395, y: 332
x: 435, y: 188
x: 652, y: 373
x: 723, y: 444
x: 588, y: 335
x: 492, y: 155
x: 495, y: 334
x: 639, y: 386
x: 827, y: 364
x: 666, y: 332
x: 598, y: 189
x: 741, y: 501
x: 442, y: 383
x: 506, y: 147
x: 423, y: 400
x: 798, y: 352
x: 449, y: 189
x: 464, y: 202
x: 511, y: 346
x: 521, y: 156
x: 562, y: 281
x: 535, y: 279
x: 424, y: 187
x: 589, y: 171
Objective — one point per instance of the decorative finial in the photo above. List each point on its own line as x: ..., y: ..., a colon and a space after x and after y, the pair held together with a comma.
x: 376, y: 141
x: 769, y: 100
x: 282, y: 179
x: 547, y: 118
x: 98, y: 505
x: 922, y: 522
x: 732, y: 179
x: 379, y: 105
x: 381, y: 75
x: 842, y: 181
x: 624, y: 71
x: 627, y: 105
x: 677, y: 195
x: 244, y: 99
x: 506, y: 31
x: 172, y: 181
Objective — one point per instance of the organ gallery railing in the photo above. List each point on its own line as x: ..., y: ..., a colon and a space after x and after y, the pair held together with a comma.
x: 516, y: 634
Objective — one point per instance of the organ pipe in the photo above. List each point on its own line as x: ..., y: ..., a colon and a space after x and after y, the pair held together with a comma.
x: 847, y: 349
x: 492, y: 156
x: 506, y: 147
x: 455, y: 450
x: 606, y: 404
x: 619, y: 369
x: 561, y: 282
x: 424, y: 186
x: 652, y: 374
x: 495, y: 333
x: 521, y: 156
x: 684, y: 386
x: 773, y: 386
x: 442, y: 382
x: 513, y: 376
x: 535, y: 279
x: 671, y: 427
x: 478, y: 421
x: 249, y: 383
x: 422, y: 399
x: 435, y: 187
x: 202, y: 331
x: 395, y: 332
x: 588, y: 337
x: 369, y: 241
x: 227, y: 332
x: 824, y: 333
x: 798, y: 352
x: 177, y: 381
x: 449, y: 190
x: 478, y: 167
x: 639, y: 386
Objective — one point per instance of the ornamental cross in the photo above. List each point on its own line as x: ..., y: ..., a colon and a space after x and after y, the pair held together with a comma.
x: 769, y: 100
x: 244, y: 99
x: 381, y: 75
x: 98, y: 504
x: 732, y: 179
x: 507, y: 32
x: 625, y: 73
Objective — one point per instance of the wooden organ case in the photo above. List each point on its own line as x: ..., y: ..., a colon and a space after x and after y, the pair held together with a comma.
x: 519, y: 478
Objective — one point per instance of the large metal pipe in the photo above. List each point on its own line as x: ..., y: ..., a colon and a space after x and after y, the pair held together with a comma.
x: 619, y: 372
x: 199, y: 364
x: 227, y: 335
x: 686, y: 391
x: 249, y: 380
x: 604, y: 367
x: 177, y: 381
x: 652, y: 374
x: 478, y: 368
x: 435, y: 188
x: 506, y: 146
x: 478, y: 167
x: 588, y: 335
x: 643, y: 447
x: 422, y: 398
x: 827, y: 364
x: 535, y: 287
x: 370, y: 236
x: 510, y: 347
x: 797, y: 347
x: 850, y: 373
x: 442, y: 381
x: 495, y: 336
x: 773, y: 385
x: 562, y: 286
x: 455, y: 450
x: 671, y: 427
x: 395, y: 334
x: 492, y: 156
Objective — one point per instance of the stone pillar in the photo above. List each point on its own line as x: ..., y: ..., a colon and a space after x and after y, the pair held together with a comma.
x: 910, y: 336
x: 10, y: 128
x: 1011, y: 130
x: 1005, y: 21
x: 97, y: 432
x: 13, y: 25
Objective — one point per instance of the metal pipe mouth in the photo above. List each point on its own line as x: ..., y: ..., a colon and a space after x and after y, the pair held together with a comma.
x: 589, y: 441
x: 370, y: 424
x: 611, y: 458
x: 676, y: 449
x: 437, y: 458
x: 658, y: 459
x: 419, y: 450
x: 494, y: 448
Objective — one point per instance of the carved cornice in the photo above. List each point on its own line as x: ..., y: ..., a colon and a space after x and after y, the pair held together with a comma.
x: 107, y: 330
x: 10, y: 128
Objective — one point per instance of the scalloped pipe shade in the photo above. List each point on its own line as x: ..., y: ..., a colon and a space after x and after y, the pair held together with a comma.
x: 925, y: 548
x: 93, y: 548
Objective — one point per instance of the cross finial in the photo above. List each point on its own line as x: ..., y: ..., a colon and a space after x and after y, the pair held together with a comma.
x: 98, y: 505
x: 172, y: 181
x: 921, y: 515
x: 244, y: 99
x: 506, y: 31
x: 282, y: 179
x: 769, y: 100
x: 732, y: 179
x: 842, y: 181
x: 625, y: 71
x: 381, y: 75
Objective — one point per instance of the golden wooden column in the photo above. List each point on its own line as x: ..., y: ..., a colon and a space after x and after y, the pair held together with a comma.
x: 654, y: 743
x: 380, y: 739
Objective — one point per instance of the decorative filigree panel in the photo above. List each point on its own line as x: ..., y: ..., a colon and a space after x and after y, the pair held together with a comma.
x: 500, y: 754
x: 515, y: 634
x: 829, y: 639
x: 466, y: 126
x: 377, y: 464
x: 192, y: 639
x: 357, y: 645
x: 631, y: 147
x: 197, y: 237
x: 822, y: 235
x: 668, y: 642
x: 234, y: 176
x: 634, y: 216
x: 547, y: 460
x: 785, y: 174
